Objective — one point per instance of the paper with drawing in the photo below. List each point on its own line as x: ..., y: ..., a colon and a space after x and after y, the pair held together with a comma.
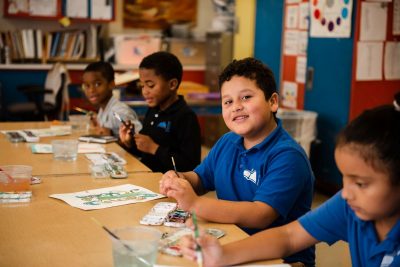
x: 108, y: 197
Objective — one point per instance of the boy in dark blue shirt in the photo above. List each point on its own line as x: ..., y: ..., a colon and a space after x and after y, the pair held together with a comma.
x: 170, y: 127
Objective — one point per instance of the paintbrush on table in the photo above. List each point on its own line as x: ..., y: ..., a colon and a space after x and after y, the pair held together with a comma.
x: 125, y: 245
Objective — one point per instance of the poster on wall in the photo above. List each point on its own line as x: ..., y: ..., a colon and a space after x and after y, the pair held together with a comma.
x: 330, y: 19
x: 289, y: 94
x: 396, y: 17
x: 153, y: 14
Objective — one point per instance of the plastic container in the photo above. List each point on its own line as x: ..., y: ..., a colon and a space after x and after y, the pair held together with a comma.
x: 15, y: 178
x: 66, y: 150
x: 301, y: 125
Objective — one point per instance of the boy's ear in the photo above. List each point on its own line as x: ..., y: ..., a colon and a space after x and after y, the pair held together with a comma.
x: 173, y: 84
x: 112, y: 84
x: 274, y: 102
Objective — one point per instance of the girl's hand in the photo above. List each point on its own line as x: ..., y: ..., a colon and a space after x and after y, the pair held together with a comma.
x: 211, y: 250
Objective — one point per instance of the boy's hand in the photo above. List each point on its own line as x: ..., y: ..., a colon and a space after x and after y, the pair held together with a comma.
x: 179, y: 189
x: 102, y: 131
x: 93, y: 120
x: 210, y: 248
x: 163, y: 185
x: 125, y: 133
x: 145, y: 144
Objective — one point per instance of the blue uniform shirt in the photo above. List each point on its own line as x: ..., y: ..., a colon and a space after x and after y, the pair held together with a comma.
x: 334, y: 220
x: 276, y: 172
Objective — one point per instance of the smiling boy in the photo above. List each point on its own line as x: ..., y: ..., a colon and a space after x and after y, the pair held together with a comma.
x: 261, y: 176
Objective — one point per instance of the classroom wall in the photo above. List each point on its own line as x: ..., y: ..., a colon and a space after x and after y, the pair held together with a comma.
x: 245, y: 12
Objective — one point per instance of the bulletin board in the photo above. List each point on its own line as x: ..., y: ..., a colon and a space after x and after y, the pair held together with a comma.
x: 376, y: 55
x: 294, y: 54
x: 154, y: 14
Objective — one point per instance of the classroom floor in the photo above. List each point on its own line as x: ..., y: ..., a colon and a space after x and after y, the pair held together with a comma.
x: 326, y: 256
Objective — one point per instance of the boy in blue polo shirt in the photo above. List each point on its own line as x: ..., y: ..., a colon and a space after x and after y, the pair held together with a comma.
x: 365, y: 213
x: 261, y: 176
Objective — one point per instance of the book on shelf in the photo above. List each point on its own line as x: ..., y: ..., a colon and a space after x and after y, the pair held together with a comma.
x: 95, y: 138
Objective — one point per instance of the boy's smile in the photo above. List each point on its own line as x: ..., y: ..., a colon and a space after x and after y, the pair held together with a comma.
x: 156, y: 90
x: 246, y: 111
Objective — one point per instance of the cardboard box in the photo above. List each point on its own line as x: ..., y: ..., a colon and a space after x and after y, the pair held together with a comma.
x: 131, y: 49
x: 189, y: 51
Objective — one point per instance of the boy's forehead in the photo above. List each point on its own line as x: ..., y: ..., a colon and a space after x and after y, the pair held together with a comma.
x: 92, y: 75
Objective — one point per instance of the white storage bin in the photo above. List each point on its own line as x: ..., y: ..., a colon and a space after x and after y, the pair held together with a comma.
x: 301, y: 125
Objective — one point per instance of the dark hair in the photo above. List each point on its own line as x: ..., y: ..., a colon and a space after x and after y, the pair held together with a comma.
x: 165, y: 64
x: 375, y: 135
x: 252, y: 69
x: 105, y: 68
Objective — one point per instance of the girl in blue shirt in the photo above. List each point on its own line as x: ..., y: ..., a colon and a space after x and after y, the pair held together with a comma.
x: 365, y: 213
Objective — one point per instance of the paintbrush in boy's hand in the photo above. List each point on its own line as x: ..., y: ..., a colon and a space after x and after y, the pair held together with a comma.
x: 128, y: 125
x: 199, y: 255
x: 173, y: 164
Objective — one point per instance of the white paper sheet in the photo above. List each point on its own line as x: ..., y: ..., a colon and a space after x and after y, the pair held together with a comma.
x: 302, y: 43
x: 304, y: 13
x: 396, y: 17
x: 108, y: 197
x: 43, y: 7
x: 291, y: 42
x: 373, y: 21
x: 77, y: 9
x: 369, y: 61
x: 289, y: 93
x: 292, y: 16
x: 101, y: 9
x: 301, y: 65
x: 392, y: 61
x: 330, y: 18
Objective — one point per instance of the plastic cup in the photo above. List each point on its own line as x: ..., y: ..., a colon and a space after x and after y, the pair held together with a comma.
x: 137, y: 246
x: 79, y: 123
x: 15, y: 178
x: 66, y: 150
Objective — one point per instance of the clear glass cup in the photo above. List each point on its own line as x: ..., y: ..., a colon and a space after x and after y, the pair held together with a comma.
x: 136, y: 246
x: 66, y: 150
x: 15, y: 178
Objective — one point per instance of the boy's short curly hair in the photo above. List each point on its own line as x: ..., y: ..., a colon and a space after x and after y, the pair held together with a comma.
x: 105, y: 68
x: 252, y: 69
x: 165, y: 64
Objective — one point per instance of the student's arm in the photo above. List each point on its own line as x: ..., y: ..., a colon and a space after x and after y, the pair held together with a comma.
x: 273, y: 243
x: 222, y: 211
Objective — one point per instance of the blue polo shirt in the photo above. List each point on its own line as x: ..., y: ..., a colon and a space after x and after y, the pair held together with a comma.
x: 275, y: 171
x: 334, y: 220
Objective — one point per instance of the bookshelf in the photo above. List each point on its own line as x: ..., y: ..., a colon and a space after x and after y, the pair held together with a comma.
x: 88, y: 10
x: 76, y: 41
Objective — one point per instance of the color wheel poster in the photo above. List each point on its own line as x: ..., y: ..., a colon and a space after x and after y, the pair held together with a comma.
x: 330, y: 18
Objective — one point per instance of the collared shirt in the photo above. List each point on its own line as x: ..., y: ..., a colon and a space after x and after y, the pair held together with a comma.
x: 177, y: 132
x: 106, y: 119
x: 275, y: 171
x: 334, y: 220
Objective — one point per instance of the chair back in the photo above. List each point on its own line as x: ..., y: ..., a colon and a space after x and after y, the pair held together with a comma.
x: 57, y: 81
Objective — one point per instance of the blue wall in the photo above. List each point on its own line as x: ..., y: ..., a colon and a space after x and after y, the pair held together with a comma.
x: 267, y: 44
x: 329, y: 96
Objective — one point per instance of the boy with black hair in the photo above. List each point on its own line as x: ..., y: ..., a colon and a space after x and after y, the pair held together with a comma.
x: 261, y: 176
x: 170, y: 127
x: 98, y: 83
